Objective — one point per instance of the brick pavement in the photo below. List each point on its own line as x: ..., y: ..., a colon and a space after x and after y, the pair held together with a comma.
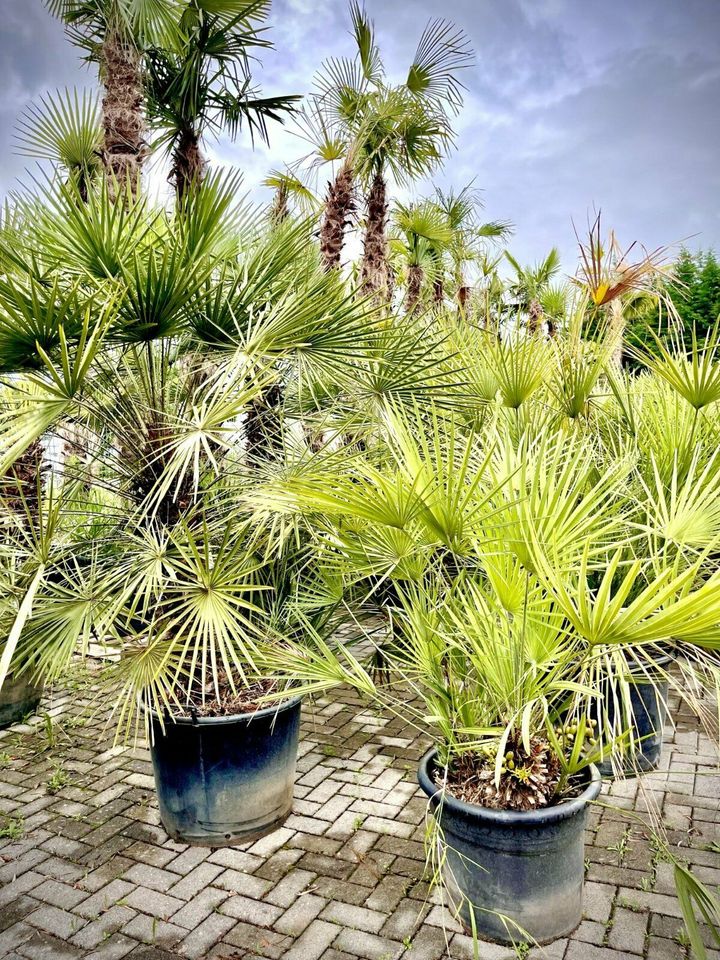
x: 87, y: 872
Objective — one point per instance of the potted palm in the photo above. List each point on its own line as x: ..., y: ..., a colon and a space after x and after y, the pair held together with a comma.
x: 175, y: 350
x: 513, y: 561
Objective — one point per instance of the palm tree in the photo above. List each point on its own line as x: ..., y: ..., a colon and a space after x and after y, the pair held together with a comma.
x: 114, y: 33
x: 287, y: 187
x: 438, y: 238
x: 400, y: 130
x: 469, y: 238
x: 66, y: 130
x: 419, y: 231
x: 606, y: 275
x: 529, y: 285
x: 202, y: 83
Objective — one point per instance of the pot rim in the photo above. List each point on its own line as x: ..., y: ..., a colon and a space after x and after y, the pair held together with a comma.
x: 250, y: 715
x: 544, y: 815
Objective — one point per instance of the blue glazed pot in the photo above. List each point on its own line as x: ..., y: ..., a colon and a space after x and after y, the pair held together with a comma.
x: 647, y: 702
x: 19, y: 697
x: 527, y: 866
x: 226, y: 780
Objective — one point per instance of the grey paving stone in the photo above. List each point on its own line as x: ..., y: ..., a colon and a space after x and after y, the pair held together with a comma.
x: 368, y: 946
x: 300, y: 915
x: 157, y: 904
x: 95, y: 932
x: 157, y: 933
x: 114, y: 948
x: 59, y: 894
x: 58, y: 922
x: 313, y: 942
x: 197, y: 944
x: 199, y: 907
x: 106, y: 897
x: 251, y: 911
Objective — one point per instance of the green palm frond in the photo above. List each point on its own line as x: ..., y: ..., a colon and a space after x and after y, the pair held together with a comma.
x: 35, y: 314
x: 442, y: 51
x: 695, y: 378
x: 65, y: 129
x: 367, y: 49
x: 93, y: 239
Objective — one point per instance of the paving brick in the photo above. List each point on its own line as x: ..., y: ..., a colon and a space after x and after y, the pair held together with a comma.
x: 199, y: 908
x: 300, y: 915
x: 251, y: 911
x: 114, y: 948
x: 628, y: 931
x: 314, y: 941
x: 152, y: 931
x: 463, y: 948
x: 58, y: 922
x: 104, y: 898
x: 14, y: 936
x: 44, y: 946
x: 360, y: 918
x: 197, y: 944
x: 405, y: 920
x: 28, y: 881
x: 157, y: 904
x: 95, y: 932
x: 584, y: 951
x: 195, y: 881
x: 145, y: 875
x: 288, y: 890
x: 369, y: 946
x: 59, y: 894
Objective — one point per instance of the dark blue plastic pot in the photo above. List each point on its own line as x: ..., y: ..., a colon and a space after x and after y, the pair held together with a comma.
x: 19, y: 697
x: 226, y: 780
x: 647, y: 702
x: 528, y: 867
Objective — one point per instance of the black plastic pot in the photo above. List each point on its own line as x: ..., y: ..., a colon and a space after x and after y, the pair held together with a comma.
x: 528, y: 867
x: 19, y: 697
x: 647, y: 702
x: 226, y: 780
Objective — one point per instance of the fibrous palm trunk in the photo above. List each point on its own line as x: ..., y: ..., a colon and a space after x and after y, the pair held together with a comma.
x: 280, y: 209
x: 188, y: 169
x: 21, y: 485
x: 124, y: 148
x: 263, y: 429
x: 617, y: 330
x: 339, y: 206
x: 535, y: 315
x: 414, y: 287
x: 463, y: 295
x: 374, y: 272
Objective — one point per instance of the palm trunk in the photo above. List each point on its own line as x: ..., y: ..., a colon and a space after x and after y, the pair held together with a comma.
x: 188, y: 170
x: 280, y: 209
x: 438, y: 292
x: 535, y: 316
x: 263, y: 430
x: 339, y: 206
x: 22, y: 483
x: 463, y: 295
x: 414, y: 286
x: 617, y: 331
x: 374, y: 272
x: 124, y: 148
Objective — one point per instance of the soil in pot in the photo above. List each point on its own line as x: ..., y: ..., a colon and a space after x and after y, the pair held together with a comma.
x: 19, y: 696
x: 526, y: 865
x: 226, y: 778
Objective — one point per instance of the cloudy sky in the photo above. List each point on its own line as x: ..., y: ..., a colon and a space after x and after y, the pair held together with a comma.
x: 573, y: 106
